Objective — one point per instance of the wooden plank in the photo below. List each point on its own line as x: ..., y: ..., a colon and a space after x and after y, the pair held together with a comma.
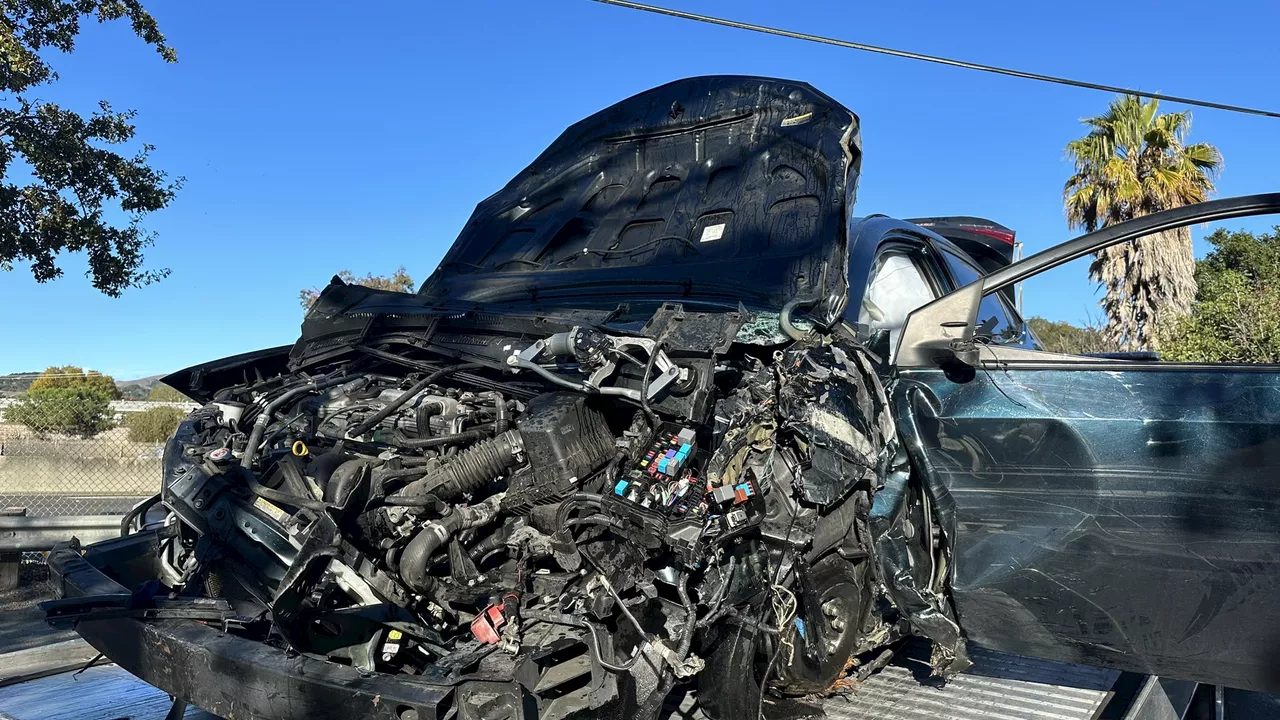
x: 38, y: 662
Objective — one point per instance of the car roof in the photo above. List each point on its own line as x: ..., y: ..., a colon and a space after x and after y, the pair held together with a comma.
x: 878, y: 226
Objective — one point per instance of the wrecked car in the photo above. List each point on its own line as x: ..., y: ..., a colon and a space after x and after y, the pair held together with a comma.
x: 668, y: 413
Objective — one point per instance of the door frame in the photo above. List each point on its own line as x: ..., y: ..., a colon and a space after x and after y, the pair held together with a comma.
x: 940, y: 334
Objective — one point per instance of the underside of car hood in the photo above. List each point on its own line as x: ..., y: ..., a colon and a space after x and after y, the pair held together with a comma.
x: 721, y: 187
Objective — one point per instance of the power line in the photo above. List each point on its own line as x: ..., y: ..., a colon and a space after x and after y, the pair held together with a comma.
x: 23, y: 376
x: 932, y: 58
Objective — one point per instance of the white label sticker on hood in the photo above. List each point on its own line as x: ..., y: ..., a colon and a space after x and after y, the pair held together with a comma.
x: 712, y: 232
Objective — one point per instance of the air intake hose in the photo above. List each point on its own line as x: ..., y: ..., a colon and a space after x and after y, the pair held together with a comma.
x: 470, y: 470
x: 417, y: 555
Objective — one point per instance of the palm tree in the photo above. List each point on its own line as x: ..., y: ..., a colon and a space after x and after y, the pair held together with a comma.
x: 1134, y: 162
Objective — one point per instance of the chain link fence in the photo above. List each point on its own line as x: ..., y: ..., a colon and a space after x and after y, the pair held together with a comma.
x: 76, y: 453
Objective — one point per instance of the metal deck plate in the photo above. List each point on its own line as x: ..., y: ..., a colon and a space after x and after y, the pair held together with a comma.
x: 997, y: 687
x: 105, y: 692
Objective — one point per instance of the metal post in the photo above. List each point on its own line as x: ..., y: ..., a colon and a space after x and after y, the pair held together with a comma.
x: 10, y: 561
x: 1017, y: 293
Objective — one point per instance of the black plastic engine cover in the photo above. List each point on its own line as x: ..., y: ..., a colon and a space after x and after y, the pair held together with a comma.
x: 564, y: 439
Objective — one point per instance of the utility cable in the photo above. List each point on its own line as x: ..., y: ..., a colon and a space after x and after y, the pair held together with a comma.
x: 932, y: 58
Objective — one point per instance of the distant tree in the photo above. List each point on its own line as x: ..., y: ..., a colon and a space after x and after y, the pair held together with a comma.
x: 74, y: 186
x: 1063, y: 337
x: 78, y: 410
x: 399, y: 281
x: 133, y: 391
x: 153, y: 425
x: 163, y: 393
x: 1236, y: 317
x: 1135, y: 162
x: 70, y: 376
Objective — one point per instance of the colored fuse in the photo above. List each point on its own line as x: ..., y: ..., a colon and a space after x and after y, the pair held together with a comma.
x: 739, y: 495
x: 662, y: 465
x: 621, y: 487
x: 746, y: 490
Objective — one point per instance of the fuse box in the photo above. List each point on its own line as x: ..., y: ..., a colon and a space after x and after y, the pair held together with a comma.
x: 663, y: 478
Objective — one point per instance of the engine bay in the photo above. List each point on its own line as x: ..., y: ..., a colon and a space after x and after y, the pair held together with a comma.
x: 593, y: 516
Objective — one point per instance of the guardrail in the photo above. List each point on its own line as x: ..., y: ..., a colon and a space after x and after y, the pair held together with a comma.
x: 20, y: 533
x: 38, y: 534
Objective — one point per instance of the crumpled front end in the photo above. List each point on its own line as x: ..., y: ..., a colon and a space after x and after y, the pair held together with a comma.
x: 572, y: 536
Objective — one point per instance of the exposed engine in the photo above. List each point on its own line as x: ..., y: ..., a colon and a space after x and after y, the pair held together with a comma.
x: 595, y: 531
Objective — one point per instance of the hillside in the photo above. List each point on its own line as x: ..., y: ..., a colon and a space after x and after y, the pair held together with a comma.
x: 145, y: 382
x: 17, y: 383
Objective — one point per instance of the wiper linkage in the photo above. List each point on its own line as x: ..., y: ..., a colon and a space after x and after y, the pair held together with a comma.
x: 599, y: 351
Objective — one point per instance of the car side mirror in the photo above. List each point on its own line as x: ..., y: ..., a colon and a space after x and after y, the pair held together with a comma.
x: 940, y: 334
x: 878, y: 342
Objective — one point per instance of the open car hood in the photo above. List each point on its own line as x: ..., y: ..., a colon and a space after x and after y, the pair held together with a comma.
x: 718, y: 188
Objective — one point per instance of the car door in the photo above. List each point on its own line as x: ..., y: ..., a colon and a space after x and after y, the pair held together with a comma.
x: 1124, y: 514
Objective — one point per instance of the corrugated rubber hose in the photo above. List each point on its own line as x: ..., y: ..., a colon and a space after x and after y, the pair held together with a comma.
x: 469, y: 470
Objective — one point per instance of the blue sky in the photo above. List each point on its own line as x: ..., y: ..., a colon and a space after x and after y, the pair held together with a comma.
x: 323, y: 135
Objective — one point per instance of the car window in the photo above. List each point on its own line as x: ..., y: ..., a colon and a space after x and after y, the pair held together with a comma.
x: 897, y: 286
x: 997, y: 322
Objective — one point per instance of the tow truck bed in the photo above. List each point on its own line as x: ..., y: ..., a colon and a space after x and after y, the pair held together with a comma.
x: 998, y: 687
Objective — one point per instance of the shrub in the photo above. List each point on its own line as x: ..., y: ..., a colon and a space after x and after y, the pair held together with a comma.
x: 1236, y: 318
x: 154, y: 425
x: 82, y: 411
x: 70, y: 376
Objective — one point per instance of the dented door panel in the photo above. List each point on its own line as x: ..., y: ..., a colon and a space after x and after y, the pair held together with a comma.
x: 1119, y: 515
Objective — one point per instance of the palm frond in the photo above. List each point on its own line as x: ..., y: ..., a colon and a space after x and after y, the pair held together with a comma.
x: 1205, y: 157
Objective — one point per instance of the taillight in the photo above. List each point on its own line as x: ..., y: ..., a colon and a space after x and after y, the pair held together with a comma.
x: 1004, y: 236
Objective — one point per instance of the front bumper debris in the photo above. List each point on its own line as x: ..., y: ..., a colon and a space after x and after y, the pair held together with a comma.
x: 242, y: 679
